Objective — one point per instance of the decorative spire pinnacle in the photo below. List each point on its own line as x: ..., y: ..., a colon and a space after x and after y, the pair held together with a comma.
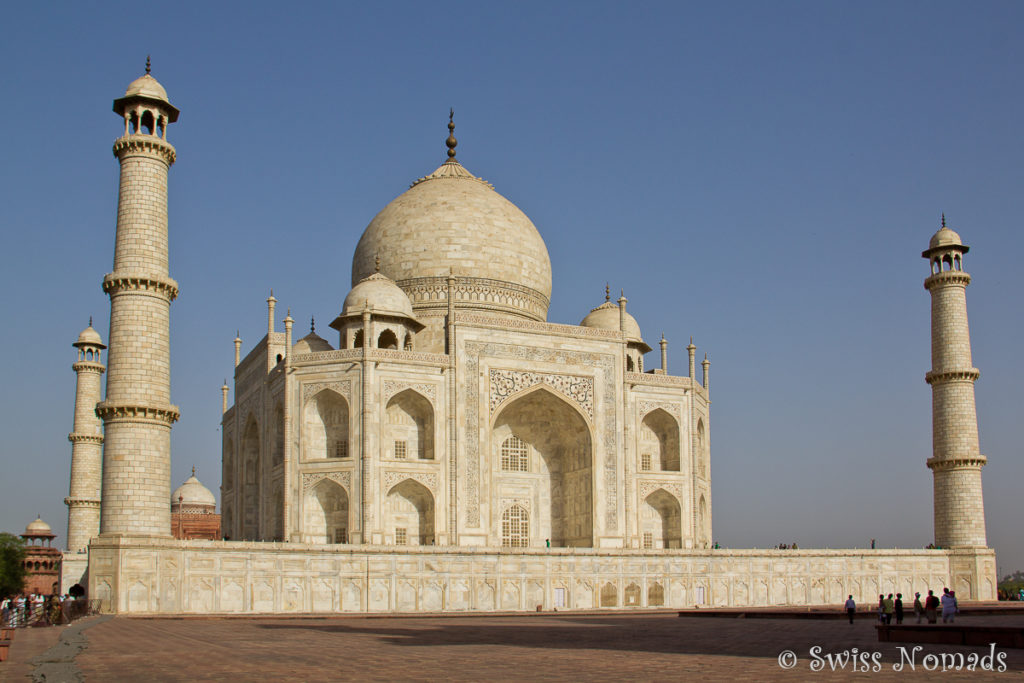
x: 607, y: 292
x: 376, y: 262
x: 943, y: 219
x: 238, y: 335
x: 90, y: 321
x: 312, y: 325
x: 147, y: 65
x: 193, y: 470
x: 451, y: 142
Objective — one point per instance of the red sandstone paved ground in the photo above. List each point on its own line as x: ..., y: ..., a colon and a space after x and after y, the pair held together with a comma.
x: 27, y: 643
x: 488, y: 648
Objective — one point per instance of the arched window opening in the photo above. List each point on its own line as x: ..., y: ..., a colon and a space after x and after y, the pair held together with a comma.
x: 410, y: 426
x: 629, y: 364
x: 278, y: 457
x: 228, y: 473
x: 515, y: 527
x: 325, y: 426
x: 250, y: 499
x: 325, y: 513
x: 609, y: 595
x: 702, y: 456
x: 357, y: 340
x: 408, y: 342
x: 387, y: 340
x: 515, y: 455
x: 148, y: 123
x: 659, y: 436
x: 702, y: 515
x: 661, y: 521
x: 655, y: 595
x: 409, y: 509
x: 134, y: 120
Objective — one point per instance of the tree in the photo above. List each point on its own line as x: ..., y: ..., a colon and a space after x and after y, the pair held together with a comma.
x: 12, y: 564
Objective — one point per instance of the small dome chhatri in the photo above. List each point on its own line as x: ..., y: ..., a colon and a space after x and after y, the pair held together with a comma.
x: 192, y: 496
x: 147, y: 88
x: 945, y: 238
x: 381, y: 294
x: 90, y: 337
x: 38, y: 528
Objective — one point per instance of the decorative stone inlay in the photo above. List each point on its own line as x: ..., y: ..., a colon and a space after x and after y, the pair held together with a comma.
x: 478, y: 292
x: 82, y: 502
x: 118, y: 283
x: 507, y: 383
x: 391, y: 388
x: 428, y: 479
x: 936, y: 464
x: 948, y: 277
x: 604, y: 363
x: 657, y: 380
x: 343, y: 388
x: 673, y: 409
x: 88, y: 366
x: 311, y: 479
x: 524, y: 503
x: 646, y: 488
x: 337, y: 355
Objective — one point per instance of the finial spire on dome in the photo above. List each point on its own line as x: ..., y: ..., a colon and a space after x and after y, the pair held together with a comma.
x: 147, y: 65
x: 90, y: 321
x: 193, y: 470
x: 943, y: 219
x: 607, y: 292
x: 451, y: 142
x: 312, y: 325
x: 376, y: 262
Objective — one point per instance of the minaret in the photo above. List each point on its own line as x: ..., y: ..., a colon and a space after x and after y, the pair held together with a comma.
x: 86, y: 439
x: 956, y: 460
x: 137, y: 412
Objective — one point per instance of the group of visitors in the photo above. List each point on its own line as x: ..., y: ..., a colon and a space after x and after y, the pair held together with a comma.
x: 23, y: 610
x: 929, y: 609
x: 786, y: 546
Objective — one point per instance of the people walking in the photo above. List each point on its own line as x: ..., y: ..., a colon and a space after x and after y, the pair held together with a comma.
x: 918, y: 607
x: 948, y: 606
x: 888, y: 607
x: 851, y: 608
x: 931, y: 606
x: 898, y: 605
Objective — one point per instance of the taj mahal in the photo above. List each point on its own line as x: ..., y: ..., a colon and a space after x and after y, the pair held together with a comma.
x: 445, y: 447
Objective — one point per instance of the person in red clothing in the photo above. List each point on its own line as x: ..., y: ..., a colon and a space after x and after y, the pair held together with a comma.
x: 931, y: 605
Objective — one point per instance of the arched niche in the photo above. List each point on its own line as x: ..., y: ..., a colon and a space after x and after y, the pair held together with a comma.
x: 228, y: 464
x: 325, y: 426
x: 659, y: 438
x: 277, y: 456
x: 559, y: 465
x: 702, y: 451
x: 250, y: 480
x: 387, y: 340
x: 409, y: 514
x: 661, y: 517
x: 409, y: 427
x: 325, y: 513
x: 702, y: 521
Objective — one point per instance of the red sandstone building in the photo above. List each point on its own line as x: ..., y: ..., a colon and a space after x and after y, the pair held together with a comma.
x: 194, y: 511
x: 42, y: 562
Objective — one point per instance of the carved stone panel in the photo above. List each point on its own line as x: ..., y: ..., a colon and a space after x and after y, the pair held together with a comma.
x: 428, y: 479
x: 507, y: 383
x: 673, y: 409
x: 392, y: 387
x: 311, y: 479
x: 343, y: 387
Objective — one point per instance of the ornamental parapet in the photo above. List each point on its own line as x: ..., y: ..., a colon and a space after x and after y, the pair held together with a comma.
x: 137, y: 412
x: 651, y: 379
x: 522, y: 325
x: 940, y: 464
x: 89, y: 366
x: 74, y: 437
x: 82, y: 502
x: 159, y: 285
x: 145, y: 145
x: 947, y: 277
x: 964, y: 375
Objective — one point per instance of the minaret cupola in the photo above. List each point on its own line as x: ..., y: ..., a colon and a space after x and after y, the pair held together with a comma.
x: 145, y: 107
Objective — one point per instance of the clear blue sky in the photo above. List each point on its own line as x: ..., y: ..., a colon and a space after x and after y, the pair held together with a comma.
x: 762, y: 176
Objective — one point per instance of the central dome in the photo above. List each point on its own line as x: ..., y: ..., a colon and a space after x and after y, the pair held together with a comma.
x: 451, y: 222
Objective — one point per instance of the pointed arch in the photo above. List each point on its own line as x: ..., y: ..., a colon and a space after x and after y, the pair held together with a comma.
x: 325, y: 426
x: 277, y: 456
x: 409, y: 513
x: 357, y: 340
x: 515, y: 527
x: 702, y: 451
x: 661, y: 517
x: 659, y: 438
x: 409, y: 427
x: 560, y: 455
x: 325, y: 513
x: 387, y: 340
x: 702, y: 517
x: 228, y: 464
x: 250, y: 484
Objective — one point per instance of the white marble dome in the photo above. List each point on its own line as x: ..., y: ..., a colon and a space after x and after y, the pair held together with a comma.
x: 90, y: 337
x: 311, y: 343
x: 606, y: 317
x: 453, y: 222
x: 381, y: 294
x: 38, y: 528
x: 146, y: 86
x: 192, y: 493
x: 945, y: 238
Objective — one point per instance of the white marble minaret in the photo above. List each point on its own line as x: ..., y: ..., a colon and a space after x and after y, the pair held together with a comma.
x: 956, y: 460
x: 137, y: 413
x: 86, y: 439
